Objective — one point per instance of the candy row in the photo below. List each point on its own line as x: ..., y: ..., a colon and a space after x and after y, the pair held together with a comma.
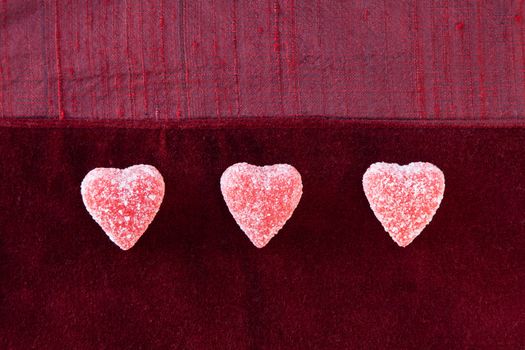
x: 262, y: 198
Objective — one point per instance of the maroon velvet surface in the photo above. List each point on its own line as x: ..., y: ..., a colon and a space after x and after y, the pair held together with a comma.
x: 331, y: 279
x: 181, y: 59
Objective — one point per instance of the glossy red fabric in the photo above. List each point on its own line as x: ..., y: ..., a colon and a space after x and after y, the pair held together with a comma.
x: 178, y: 59
x: 331, y: 279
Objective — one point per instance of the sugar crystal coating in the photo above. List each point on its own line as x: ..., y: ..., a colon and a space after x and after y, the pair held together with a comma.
x: 261, y: 199
x: 123, y: 201
x: 404, y: 198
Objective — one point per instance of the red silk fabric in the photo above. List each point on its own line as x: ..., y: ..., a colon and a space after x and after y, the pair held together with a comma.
x: 163, y: 59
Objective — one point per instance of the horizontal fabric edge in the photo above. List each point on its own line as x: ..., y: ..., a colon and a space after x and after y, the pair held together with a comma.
x: 257, y: 122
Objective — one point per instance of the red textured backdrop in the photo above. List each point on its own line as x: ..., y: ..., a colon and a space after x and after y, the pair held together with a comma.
x: 331, y: 279
x: 163, y: 59
x: 194, y: 86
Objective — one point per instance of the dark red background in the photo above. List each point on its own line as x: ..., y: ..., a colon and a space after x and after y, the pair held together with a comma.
x: 332, y: 278
x: 194, y: 86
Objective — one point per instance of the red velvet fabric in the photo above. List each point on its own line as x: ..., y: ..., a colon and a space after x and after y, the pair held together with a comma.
x: 331, y: 279
x: 179, y: 59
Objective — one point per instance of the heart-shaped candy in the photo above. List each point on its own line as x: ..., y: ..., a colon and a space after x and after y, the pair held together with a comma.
x: 404, y: 198
x: 123, y: 201
x: 261, y: 199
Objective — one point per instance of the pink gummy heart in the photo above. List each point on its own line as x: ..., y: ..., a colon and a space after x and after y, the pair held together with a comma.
x: 404, y: 198
x: 123, y: 201
x: 261, y: 199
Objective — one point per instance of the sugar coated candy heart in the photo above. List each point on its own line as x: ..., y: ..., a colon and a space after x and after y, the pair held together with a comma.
x: 123, y: 201
x: 404, y: 198
x: 261, y: 199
